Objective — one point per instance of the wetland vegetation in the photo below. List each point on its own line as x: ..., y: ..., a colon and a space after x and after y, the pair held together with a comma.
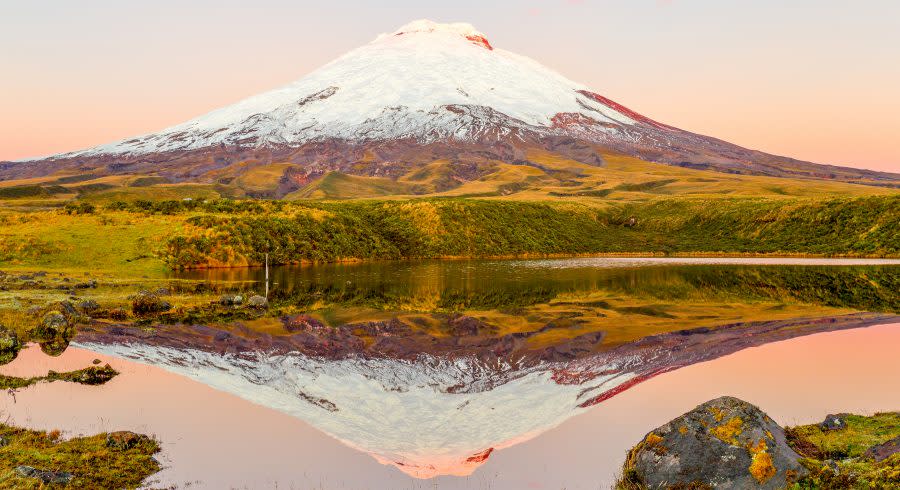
x: 45, y: 459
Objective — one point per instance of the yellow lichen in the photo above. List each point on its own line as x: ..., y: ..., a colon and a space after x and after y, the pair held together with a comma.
x: 653, y: 439
x: 653, y: 443
x: 761, y: 467
x: 683, y: 429
x: 729, y: 431
x: 761, y: 446
x: 717, y: 413
x: 770, y: 436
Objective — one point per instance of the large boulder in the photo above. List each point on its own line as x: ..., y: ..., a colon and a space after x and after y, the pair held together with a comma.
x: 725, y: 443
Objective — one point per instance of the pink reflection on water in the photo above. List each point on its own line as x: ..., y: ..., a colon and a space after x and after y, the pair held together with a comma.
x: 220, y: 441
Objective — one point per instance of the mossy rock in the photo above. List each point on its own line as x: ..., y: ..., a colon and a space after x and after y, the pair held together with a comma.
x: 9, y: 345
x: 147, y: 303
x: 53, y: 322
x: 724, y: 443
x: 53, y: 333
x: 125, y: 439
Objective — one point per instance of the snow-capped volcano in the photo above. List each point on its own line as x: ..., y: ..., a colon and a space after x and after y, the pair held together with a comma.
x: 426, y: 81
x: 425, y: 92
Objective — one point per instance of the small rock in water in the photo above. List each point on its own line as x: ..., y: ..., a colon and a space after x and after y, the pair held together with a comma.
x: 723, y: 443
x: 96, y: 361
x: 834, y: 422
x: 257, y: 301
x: 883, y: 451
x: 48, y: 477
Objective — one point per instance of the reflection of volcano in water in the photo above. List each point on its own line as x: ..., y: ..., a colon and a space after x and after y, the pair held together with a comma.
x: 432, y: 414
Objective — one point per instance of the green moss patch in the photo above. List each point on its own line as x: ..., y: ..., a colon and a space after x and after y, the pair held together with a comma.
x: 99, y: 461
x: 860, y: 434
x: 836, y: 458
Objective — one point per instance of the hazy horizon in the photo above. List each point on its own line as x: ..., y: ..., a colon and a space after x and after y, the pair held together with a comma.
x: 810, y: 80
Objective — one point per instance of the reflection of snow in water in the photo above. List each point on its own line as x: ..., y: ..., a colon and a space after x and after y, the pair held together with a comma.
x: 398, y: 411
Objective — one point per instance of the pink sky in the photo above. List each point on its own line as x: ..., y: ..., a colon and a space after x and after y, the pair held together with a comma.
x: 815, y: 80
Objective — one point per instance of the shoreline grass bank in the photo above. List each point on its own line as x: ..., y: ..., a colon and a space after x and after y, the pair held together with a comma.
x: 148, y: 238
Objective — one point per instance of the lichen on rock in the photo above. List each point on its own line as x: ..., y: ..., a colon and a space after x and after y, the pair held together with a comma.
x: 724, y: 443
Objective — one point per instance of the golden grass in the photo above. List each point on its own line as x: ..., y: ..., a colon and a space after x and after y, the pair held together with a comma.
x: 335, y: 185
x: 118, y: 243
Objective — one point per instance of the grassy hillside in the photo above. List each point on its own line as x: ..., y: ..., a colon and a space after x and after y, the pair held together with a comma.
x: 540, y: 175
x: 545, y: 205
x: 341, y: 186
x: 146, y: 237
x: 480, y: 228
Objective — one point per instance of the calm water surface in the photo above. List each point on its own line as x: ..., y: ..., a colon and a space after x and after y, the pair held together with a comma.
x: 485, y: 374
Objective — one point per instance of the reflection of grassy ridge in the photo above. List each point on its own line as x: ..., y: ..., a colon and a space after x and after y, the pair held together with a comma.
x: 860, y: 288
x: 454, y: 300
x: 385, y: 296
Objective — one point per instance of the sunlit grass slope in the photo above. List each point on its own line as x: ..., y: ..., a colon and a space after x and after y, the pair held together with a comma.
x: 147, y: 237
x: 540, y: 175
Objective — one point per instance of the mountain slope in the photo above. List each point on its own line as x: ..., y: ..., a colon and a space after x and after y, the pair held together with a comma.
x: 423, y: 93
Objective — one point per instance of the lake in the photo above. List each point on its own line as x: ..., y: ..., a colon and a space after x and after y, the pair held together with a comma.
x: 476, y: 374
